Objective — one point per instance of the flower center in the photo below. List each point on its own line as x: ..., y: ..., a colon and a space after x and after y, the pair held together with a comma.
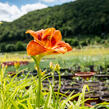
x: 49, y: 37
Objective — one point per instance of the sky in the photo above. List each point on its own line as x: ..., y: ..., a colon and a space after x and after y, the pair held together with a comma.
x: 13, y: 9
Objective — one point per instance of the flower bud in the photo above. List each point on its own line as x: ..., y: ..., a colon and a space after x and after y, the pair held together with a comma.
x: 57, y: 67
x: 6, y: 66
x: 17, y: 65
x: 51, y: 65
x: 43, y: 73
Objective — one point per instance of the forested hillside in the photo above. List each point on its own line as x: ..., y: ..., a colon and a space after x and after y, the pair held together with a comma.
x: 81, y: 19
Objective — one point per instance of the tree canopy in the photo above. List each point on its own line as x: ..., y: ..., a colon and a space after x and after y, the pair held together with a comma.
x: 81, y: 17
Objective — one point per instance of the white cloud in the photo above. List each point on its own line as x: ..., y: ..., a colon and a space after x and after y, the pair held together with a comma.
x: 48, y: 0
x: 31, y: 7
x: 57, y: 1
x: 12, y: 12
x: 64, y: 1
x: 7, y: 12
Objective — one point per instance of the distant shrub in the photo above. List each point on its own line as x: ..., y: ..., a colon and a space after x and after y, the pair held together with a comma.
x: 75, y: 43
x: 83, y: 43
x: 20, y: 46
x: 10, y: 47
x: 2, y: 47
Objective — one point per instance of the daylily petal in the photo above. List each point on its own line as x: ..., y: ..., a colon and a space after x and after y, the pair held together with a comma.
x: 47, y: 37
x: 51, y: 37
x: 63, y: 44
x: 60, y: 50
x: 36, y: 35
x: 34, y: 48
x: 48, y: 32
x: 56, y: 37
x: 55, y: 51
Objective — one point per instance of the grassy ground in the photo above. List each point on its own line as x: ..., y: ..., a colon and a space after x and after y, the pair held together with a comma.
x: 83, y: 57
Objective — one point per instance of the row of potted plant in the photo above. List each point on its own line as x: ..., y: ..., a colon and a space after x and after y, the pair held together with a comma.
x: 12, y: 63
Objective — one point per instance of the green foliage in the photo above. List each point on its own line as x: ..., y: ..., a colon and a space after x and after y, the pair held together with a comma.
x: 15, y: 95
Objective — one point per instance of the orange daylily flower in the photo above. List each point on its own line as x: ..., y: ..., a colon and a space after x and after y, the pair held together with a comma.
x: 47, y: 41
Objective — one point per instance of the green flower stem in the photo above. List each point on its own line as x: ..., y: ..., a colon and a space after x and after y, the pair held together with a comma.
x: 59, y: 81
x: 53, y: 81
x: 37, y: 62
x: 59, y: 87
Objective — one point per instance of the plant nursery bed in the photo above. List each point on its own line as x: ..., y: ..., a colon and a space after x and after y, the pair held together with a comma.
x: 11, y: 63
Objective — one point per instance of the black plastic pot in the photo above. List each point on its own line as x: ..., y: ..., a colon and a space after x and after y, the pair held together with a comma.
x: 70, y: 89
x: 27, y: 87
x: 94, y: 101
x: 93, y: 94
x: 34, y: 72
x: 105, y: 92
x: 105, y: 98
x: 102, y: 77
x: 92, y: 68
x: 70, y: 76
x: 92, y: 84
x: 65, y: 69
